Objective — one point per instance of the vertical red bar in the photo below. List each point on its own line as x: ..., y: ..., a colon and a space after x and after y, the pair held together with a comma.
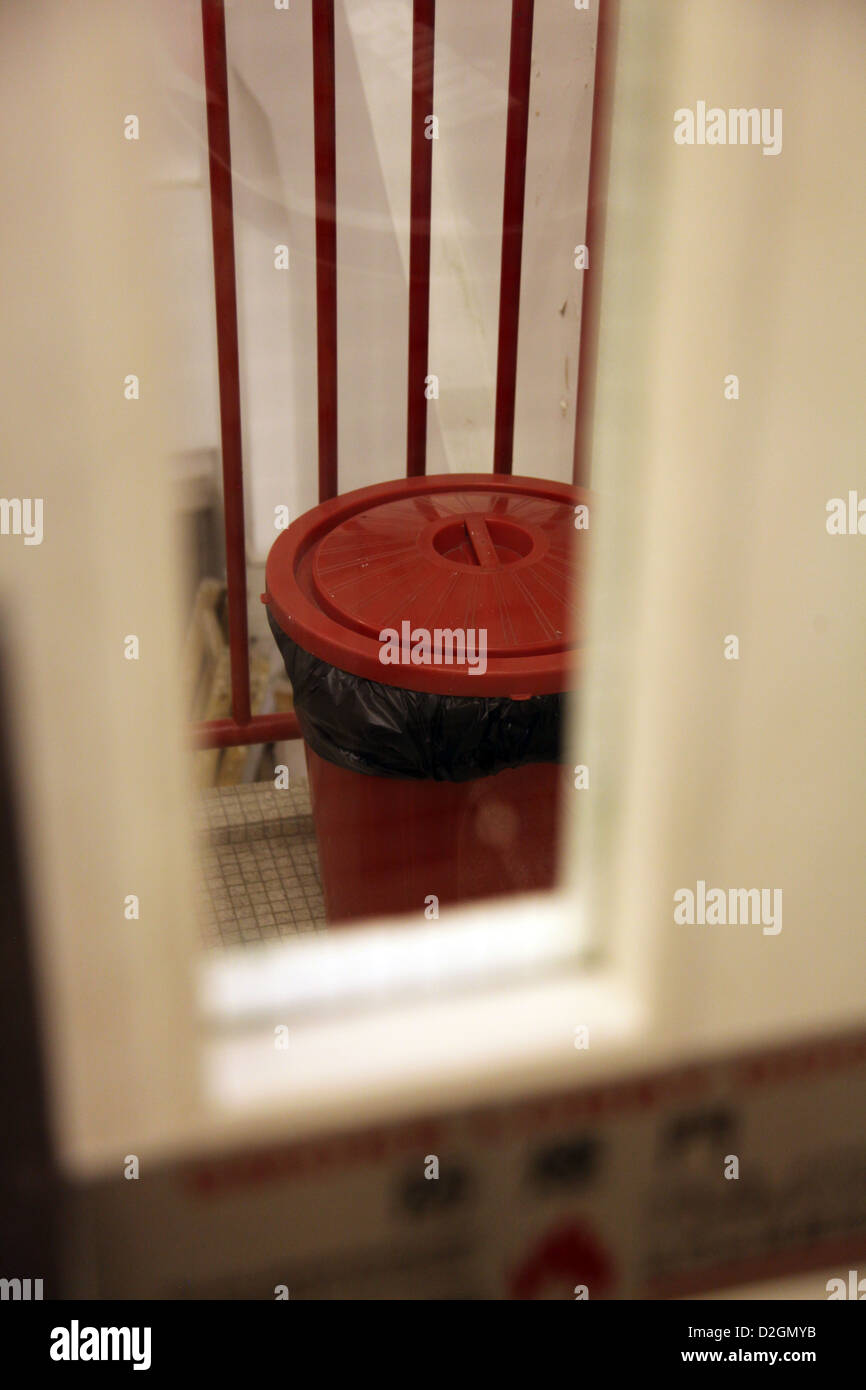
x: 222, y: 221
x: 423, y: 25
x: 596, y: 214
x: 325, y: 140
x: 520, y: 68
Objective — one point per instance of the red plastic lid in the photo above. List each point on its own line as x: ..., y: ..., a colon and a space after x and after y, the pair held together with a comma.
x: 480, y: 568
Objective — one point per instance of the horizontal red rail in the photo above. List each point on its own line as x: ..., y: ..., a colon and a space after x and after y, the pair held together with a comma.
x: 263, y: 728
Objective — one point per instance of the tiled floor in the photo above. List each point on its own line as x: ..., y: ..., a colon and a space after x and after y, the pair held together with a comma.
x: 261, y: 870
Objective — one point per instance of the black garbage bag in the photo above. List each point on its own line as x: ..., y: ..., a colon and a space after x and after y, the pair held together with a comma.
x: 386, y: 731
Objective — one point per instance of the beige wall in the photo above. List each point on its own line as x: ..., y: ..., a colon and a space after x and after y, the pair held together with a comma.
x: 751, y: 772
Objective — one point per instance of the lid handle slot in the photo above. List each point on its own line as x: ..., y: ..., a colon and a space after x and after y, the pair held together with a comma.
x: 481, y: 542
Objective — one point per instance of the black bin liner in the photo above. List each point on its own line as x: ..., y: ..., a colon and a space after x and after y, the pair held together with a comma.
x: 386, y: 731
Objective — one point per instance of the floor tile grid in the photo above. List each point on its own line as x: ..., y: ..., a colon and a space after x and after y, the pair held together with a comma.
x: 260, y: 866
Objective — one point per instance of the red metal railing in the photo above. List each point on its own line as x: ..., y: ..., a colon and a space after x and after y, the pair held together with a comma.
x: 421, y: 180
x: 596, y: 215
x: 516, y: 133
x: 325, y: 140
x: 243, y: 727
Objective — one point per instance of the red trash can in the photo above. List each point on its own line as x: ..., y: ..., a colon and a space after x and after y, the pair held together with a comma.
x: 430, y: 630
